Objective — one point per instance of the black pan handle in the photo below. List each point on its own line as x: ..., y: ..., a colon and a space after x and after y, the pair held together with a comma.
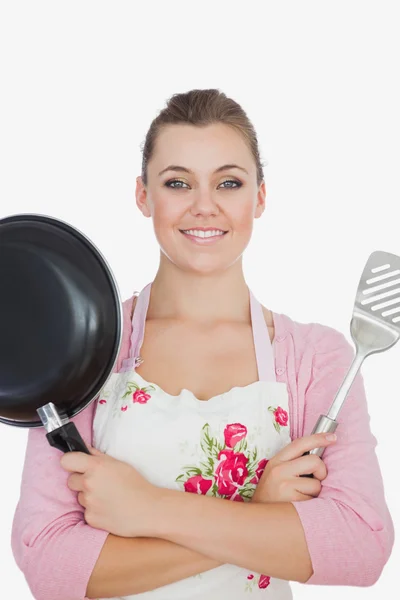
x: 67, y: 439
x: 61, y: 433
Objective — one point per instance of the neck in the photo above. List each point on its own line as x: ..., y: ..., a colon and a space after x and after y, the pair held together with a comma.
x: 201, y: 298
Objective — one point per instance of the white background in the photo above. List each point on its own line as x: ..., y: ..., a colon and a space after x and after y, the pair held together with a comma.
x: 81, y: 82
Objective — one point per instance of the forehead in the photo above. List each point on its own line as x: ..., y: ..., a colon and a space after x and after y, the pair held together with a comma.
x: 200, y: 148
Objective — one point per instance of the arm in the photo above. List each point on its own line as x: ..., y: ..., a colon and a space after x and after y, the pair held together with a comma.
x: 52, y: 544
x: 266, y: 538
x: 58, y: 551
x: 62, y: 556
x: 343, y: 537
x: 348, y: 528
x: 133, y: 565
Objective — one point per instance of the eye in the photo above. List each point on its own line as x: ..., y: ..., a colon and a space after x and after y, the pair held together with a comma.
x: 174, y: 187
x: 238, y: 184
x: 169, y: 183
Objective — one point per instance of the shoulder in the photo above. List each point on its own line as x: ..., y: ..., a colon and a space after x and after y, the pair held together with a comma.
x: 322, y: 341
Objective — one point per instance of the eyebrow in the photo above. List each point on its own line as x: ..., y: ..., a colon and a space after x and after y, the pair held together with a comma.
x: 179, y: 168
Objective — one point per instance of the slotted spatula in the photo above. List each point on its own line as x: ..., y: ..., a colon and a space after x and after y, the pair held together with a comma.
x: 374, y: 327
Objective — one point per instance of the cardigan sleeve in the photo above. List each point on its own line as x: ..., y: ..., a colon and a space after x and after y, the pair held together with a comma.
x: 348, y: 527
x: 51, y: 542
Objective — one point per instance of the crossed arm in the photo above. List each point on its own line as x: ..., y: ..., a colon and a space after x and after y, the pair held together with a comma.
x: 264, y: 538
x: 350, y: 512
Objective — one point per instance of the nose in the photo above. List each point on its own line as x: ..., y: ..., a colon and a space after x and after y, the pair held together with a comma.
x: 204, y: 203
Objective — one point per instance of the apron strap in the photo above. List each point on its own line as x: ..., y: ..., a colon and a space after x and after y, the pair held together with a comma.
x: 262, y: 342
x: 138, y: 325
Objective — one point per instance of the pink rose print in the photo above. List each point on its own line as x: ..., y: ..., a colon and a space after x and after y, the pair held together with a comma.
x: 281, y: 416
x: 237, y: 498
x: 259, y: 471
x: 140, y: 396
x: 102, y: 401
x: 234, y: 433
x: 197, y: 485
x: 223, y: 472
x: 231, y: 472
x: 264, y: 581
x: 124, y: 408
x: 251, y: 576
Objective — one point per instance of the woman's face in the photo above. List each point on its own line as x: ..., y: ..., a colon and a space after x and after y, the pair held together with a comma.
x: 202, y: 214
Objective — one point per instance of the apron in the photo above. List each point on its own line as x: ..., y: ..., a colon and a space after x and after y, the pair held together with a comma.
x: 217, y: 447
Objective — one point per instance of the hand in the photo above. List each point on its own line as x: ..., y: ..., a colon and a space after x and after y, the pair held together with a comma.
x: 280, y: 481
x: 115, y: 496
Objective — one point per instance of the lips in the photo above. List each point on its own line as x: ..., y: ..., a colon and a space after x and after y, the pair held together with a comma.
x: 204, y: 233
x: 204, y: 236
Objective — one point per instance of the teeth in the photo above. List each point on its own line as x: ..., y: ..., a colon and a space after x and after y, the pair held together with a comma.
x: 204, y: 234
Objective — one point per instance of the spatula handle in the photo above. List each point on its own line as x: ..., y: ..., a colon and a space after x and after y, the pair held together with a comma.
x: 323, y: 425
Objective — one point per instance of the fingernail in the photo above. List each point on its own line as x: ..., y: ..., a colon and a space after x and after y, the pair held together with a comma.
x: 331, y: 437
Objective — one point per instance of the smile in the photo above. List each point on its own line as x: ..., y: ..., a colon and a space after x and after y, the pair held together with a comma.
x: 201, y: 236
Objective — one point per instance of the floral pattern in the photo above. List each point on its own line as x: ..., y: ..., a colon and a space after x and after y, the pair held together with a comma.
x: 133, y: 394
x: 263, y: 582
x: 229, y: 470
x: 281, y: 417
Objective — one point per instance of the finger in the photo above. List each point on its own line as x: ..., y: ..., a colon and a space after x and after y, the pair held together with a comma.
x: 311, y: 463
x: 304, y: 444
x: 75, y: 462
x: 75, y: 482
x: 81, y: 499
x: 308, y: 487
x: 94, y: 451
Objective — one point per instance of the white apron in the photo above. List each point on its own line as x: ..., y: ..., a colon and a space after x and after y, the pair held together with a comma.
x: 217, y: 447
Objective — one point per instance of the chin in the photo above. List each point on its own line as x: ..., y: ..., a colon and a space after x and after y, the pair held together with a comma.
x: 213, y: 267
x: 201, y: 263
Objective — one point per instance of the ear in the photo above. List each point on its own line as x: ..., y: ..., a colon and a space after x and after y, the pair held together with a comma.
x: 141, y: 197
x: 260, y: 207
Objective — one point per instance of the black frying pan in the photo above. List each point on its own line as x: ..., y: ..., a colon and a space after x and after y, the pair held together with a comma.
x: 60, y: 326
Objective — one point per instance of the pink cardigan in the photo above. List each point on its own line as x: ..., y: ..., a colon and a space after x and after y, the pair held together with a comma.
x: 348, y: 528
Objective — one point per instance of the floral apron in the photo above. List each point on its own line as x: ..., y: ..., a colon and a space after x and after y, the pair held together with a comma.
x: 217, y: 447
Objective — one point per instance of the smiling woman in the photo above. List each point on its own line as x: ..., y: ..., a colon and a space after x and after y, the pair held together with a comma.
x: 203, y: 423
x: 213, y: 195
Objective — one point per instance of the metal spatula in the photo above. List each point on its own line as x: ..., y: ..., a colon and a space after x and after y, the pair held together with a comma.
x: 374, y: 327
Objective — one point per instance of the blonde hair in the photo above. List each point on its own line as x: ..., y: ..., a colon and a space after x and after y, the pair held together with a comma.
x: 201, y: 108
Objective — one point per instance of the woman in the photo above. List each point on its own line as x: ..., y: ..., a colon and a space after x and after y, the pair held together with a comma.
x: 212, y: 396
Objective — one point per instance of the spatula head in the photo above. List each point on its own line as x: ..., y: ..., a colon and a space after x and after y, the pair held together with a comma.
x: 375, y: 325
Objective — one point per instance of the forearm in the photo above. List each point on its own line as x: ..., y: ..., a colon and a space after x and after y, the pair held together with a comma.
x: 265, y: 538
x: 133, y: 565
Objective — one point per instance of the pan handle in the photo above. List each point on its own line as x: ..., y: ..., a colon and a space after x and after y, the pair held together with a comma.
x: 67, y: 439
x: 61, y: 432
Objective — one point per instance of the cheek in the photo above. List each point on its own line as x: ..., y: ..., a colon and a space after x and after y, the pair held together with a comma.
x: 167, y: 207
x: 166, y: 214
x: 243, y: 218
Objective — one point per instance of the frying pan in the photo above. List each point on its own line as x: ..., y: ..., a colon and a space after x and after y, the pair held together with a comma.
x: 60, y: 326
